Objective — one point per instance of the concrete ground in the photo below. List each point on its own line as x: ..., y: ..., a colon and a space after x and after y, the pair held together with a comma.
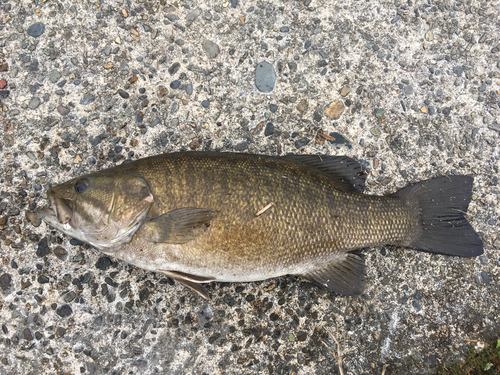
x: 410, y: 88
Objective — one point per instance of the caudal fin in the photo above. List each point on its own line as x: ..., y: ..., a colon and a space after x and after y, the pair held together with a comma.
x: 442, y: 203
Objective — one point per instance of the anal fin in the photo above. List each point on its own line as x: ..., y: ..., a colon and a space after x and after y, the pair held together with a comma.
x: 346, y: 276
x: 191, y: 281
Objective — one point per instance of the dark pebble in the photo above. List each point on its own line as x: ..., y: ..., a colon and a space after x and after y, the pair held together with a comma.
x: 274, y: 317
x: 27, y: 335
x: 64, y: 311
x: 446, y: 111
x: 175, y: 84
x: 63, y: 110
x: 307, y: 44
x: 174, y: 68
x: 87, y: 99
x: 42, y: 279
x: 322, y: 63
x: 205, y: 103
x: 103, y: 263
x: 273, y: 108
x: 123, y: 94
x: 43, y: 247
x: 284, y: 29
x: 301, y: 336
x: 60, y: 331
x: 339, y: 139
x: 234, y: 3
x: 269, y: 129
x: 36, y: 29
x: 5, y: 281
x: 76, y: 242
x: 172, y: 17
x: 301, y: 142
x: 33, y: 66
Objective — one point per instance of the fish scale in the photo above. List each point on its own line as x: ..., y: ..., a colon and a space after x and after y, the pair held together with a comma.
x: 210, y: 216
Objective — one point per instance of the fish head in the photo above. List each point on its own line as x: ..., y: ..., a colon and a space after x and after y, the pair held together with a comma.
x: 102, y: 209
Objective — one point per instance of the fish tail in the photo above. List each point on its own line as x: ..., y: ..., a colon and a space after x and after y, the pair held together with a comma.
x: 440, y: 205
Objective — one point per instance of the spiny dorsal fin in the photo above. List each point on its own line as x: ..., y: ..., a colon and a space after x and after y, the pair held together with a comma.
x: 347, y: 172
x: 181, y: 225
x: 345, y: 276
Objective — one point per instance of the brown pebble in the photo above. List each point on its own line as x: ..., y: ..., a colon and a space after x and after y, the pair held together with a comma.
x: 162, y: 91
x: 4, y: 67
x: 134, y: 142
x: 133, y: 78
x: 334, y: 110
x: 61, y: 253
x: 3, y: 220
x: 375, y: 163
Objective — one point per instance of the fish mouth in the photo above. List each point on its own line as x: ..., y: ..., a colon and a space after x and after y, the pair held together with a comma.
x: 60, y: 210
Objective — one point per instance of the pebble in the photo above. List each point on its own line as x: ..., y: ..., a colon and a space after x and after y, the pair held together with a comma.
x: 64, y: 311
x: 175, y: 84
x: 265, y: 77
x: 189, y: 89
x: 205, y: 103
x: 458, y: 71
x: 34, y: 102
x: 43, y: 247
x: 193, y: 15
x: 334, y: 110
x: 408, y: 89
x: 63, y: 110
x: 33, y: 218
x: 103, y: 263
x: 379, y: 112
x: 5, y: 281
x: 303, y: 105
x: 269, y: 129
x: 54, y: 76
x: 87, y: 99
x: 345, y: 91
x: 301, y: 142
x: 36, y: 29
x: 174, y: 68
x: 3, y: 83
x: 60, y: 253
x: 123, y: 94
x: 375, y: 131
x: 211, y: 49
x: 273, y: 108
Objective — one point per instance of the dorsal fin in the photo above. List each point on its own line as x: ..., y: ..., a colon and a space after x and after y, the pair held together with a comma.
x: 344, y: 170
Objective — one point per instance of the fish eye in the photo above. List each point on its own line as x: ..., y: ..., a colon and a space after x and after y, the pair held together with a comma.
x: 81, y: 186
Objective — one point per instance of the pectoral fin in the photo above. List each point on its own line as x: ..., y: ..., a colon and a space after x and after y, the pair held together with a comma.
x: 191, y: 281
x: 346, y: 276
x: 181, y: 225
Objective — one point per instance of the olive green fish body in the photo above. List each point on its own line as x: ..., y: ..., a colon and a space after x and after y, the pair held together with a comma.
x: 206, y: 216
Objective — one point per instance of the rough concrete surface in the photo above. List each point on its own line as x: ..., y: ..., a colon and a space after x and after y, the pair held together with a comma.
x: 410, y: 88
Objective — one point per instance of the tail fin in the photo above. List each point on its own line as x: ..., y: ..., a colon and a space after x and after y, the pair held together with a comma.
x: 442, y: 202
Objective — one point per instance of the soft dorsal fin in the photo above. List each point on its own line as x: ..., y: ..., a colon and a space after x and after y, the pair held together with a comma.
x: 345, y: 276
x: 181, y: 225
x: 347, y: 172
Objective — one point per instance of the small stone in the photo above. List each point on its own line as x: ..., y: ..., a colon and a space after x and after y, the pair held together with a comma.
x: 175, y: 84
x: 379, y: 113
x: 242, y: 146
x: 334, y: 110
x: 162, y: 91
x: 27, y: 335
x: 3, y: 83
x: 123, y: 94
x: 345, y: 91
x: 4, y: 68
x: 33, y: 218
x: 43, y: 279
x: 61, y: 253
x: 43, y: 247
x: 54, y: 76
x: 339, y: 140
x: 269, y: 129
x: 408, y: 89
x: 36, y: 29
x: 265, y: 77
x: 423, y: 109
x: 77, y: 159
x: 375, y: 131
x: 87, y: 99
x: 5, y: 281
x: 301, y: 336
x: 63, y: 110
x: 211, y: 49
x: 64, y: 311
x: 193, y: 15
x: 103, y: 263
x: 301, y: 142
x: 174, y: 68
x: 205, y: 103
x: 429, y: 36
x: 303, y: 105
x: 458, y: 71
x: 273, y: 108
x: 34, y: 103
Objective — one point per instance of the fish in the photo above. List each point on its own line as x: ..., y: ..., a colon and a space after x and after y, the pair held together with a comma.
x: 201, y: 217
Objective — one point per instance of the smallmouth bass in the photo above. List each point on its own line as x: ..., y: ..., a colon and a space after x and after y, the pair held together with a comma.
x: 199, y: 217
